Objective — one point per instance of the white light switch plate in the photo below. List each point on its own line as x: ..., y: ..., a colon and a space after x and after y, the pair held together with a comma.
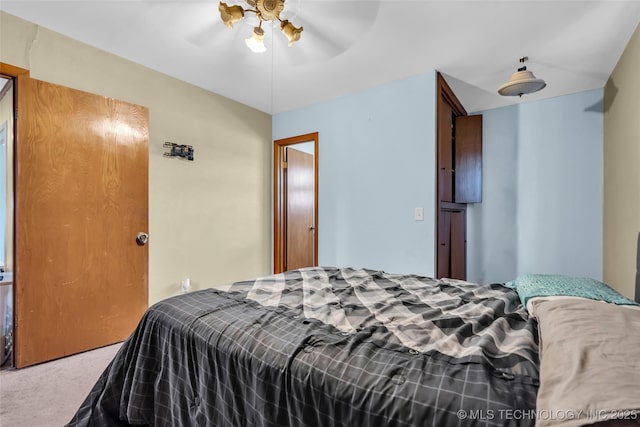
x: 419, y: 214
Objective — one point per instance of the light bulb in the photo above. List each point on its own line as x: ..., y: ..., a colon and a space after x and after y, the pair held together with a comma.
x: 256, y: 42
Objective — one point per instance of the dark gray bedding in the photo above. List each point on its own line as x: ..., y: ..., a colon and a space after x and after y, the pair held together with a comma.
x: 325, y: 347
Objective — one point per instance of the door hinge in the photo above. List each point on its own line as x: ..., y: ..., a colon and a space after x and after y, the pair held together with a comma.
x: 284, y: 165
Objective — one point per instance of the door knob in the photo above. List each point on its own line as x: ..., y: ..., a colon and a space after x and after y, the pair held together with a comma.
x: 311, y: 228
x: 142, y: 239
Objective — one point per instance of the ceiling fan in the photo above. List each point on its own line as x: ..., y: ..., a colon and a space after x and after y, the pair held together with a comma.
x: 265, y: 10
x: 315, y: 30
x: 329, y: 29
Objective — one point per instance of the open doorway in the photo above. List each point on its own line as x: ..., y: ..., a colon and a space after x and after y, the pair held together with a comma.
x: 7, y: 112
x: 295, y: 202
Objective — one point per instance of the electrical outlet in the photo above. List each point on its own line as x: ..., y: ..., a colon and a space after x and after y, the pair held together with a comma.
x: 185, y: 285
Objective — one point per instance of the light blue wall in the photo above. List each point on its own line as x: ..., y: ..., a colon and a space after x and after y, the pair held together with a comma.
x: 542, y: 183
x: 376, y: 165
x: 491, y: 225
x: 542, y: 191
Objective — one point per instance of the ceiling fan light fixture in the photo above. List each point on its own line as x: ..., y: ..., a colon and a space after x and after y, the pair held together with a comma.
x: 290, y: 31
x: 256, y: 42
x: 269, y: 10
x: 522, y: 82
x: 230, y: 14
x: 265, y: 10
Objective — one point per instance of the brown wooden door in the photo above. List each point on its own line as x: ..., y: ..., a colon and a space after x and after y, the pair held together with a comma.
x: 458, y: 242
x: 281, y: 237
x: 81, y: 199
x: 445, y: 152
x: 468, y: 159
x: 459, y: 163
x: 452, y: 257
x: 444, y: 244
x: 300, y: 228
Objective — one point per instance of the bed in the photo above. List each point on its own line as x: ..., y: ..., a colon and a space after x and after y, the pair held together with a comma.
x: 340, y: 347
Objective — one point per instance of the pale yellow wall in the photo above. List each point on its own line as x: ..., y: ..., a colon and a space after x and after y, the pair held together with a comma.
x: 622, y: 170
x: 210, y: 219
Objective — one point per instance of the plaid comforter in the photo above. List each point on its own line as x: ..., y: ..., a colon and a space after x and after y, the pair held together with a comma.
x: 325, y: 347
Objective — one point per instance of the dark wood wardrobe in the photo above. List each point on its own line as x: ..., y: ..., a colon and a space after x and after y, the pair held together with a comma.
x: 459, y: 179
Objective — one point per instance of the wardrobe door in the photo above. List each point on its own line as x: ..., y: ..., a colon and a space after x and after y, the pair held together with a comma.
x: 444, y: 244
x: 458, y: 263
x: 452, y: 244
x: 445, y: 152
x: 468, y: 159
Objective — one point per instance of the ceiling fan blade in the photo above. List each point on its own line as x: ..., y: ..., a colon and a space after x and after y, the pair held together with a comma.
x: 330, y: 28
x: 213, y: 34
x: 210, y: 34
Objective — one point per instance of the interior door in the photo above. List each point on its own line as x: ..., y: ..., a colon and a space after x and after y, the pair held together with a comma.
x: 81, y: 199
x: 291, y: 246
x: 300, y: 221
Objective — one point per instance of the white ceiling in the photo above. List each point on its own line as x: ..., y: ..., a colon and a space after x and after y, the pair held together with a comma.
x: 353, y: 45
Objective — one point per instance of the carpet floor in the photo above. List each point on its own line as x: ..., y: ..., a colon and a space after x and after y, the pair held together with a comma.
x: 50, y: 393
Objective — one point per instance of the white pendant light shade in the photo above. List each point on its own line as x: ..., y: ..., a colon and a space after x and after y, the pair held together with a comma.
x: 256, y: 41
x: 521, y: 83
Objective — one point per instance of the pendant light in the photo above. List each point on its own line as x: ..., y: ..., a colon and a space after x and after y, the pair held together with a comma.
x: 522, y: 82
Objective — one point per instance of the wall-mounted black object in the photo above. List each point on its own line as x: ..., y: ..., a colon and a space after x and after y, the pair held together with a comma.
x: 182, y: 151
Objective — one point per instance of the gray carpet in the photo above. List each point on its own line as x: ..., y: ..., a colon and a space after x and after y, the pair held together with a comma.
x: 49, y: 394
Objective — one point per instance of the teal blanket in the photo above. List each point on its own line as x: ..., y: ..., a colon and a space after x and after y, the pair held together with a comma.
x: 543, y: 285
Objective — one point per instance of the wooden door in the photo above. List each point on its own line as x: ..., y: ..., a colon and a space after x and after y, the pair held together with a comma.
x: 300, y: 219
x: 450, y: 256
x: 444, y: 244
x: 458, y: 243
x: 459, y: 163
x: 445, y: 151
x: 468, y: 159
x: 283, y: 240
x: 452, y: 244
x: 81, y: 198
